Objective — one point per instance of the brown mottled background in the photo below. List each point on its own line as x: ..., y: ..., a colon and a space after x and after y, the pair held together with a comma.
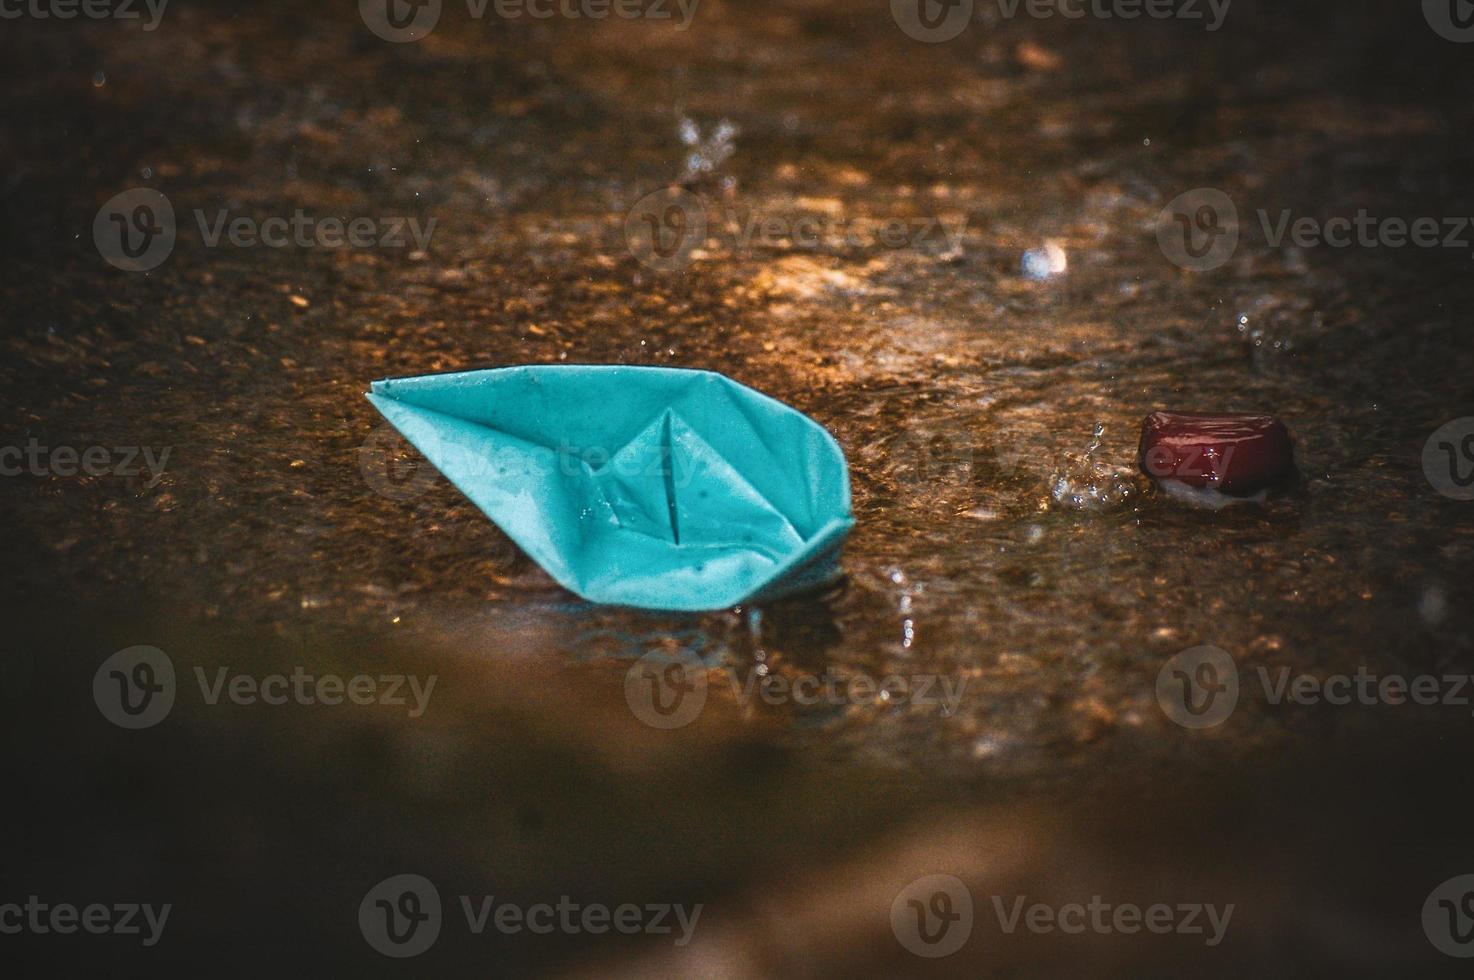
x: 281, y: 533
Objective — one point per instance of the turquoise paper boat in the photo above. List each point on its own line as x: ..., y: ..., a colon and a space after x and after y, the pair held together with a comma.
x: 661, y: 488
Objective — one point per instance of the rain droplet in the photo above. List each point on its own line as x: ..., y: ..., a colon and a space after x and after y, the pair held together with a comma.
x: 1044, y: 263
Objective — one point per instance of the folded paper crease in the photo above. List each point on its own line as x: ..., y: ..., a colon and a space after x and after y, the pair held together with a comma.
x: 662, y: 488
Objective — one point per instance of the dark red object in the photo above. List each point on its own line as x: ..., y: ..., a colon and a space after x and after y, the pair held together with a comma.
x: 1233, y: 453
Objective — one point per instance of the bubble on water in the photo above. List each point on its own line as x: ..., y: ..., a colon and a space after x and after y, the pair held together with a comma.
x: 1269, y: 324
x: 1084, y: 481
x: 1039, y: 264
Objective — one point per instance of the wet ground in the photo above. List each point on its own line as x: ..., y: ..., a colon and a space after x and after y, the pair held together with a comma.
x: 1003, y: 549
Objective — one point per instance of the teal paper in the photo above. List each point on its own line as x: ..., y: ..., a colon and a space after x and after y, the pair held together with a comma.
x: 661, y: 488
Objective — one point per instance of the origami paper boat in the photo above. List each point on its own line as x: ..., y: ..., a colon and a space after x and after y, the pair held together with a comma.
x: 661, y: 488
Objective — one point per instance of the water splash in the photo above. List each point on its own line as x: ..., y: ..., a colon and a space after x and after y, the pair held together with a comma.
x: 708, y: 152
x: 905, y: 606
x: 1084, y: 481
